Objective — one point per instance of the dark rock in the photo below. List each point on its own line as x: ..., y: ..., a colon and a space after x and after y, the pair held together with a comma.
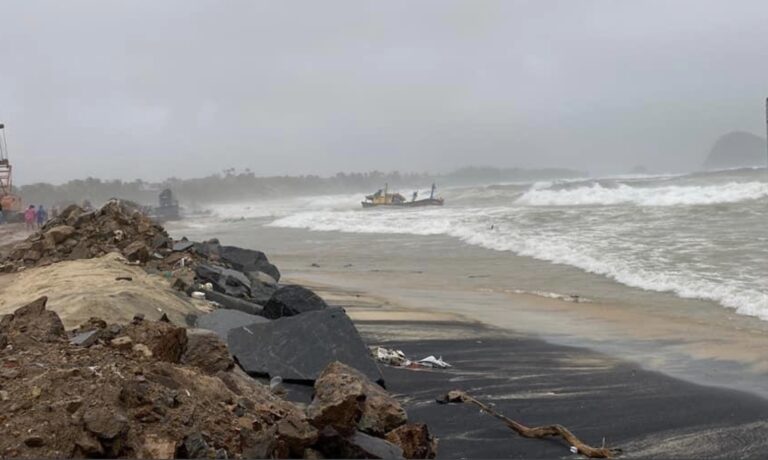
x: 298, y: 348
x: 206, y: 350
x: 193, y: 446
x: 164, y: 318
x: 222, y: 321
x: 358, y: 445
x: 137, y: 318
x: 247, y: 260
x: 34, y: 441
x: 348, y: 401
x: 415, y: 440
x: 224, y: 280
x: 182, y: 245
x: 123, y: 278
x: 234, y: 303
x: 292, y: 300
x: 86, y: 339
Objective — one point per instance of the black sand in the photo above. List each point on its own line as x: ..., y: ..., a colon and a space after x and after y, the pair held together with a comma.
x: 648, y: 414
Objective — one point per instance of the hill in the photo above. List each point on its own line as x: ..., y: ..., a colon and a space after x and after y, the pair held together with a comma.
x: 737, y: 149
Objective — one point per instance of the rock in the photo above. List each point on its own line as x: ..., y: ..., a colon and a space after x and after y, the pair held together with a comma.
x: 137, y: 252
x: 183, y: 245
x: 206, y: 350
x: 358, y: 445
x: 262, y: 278
x: 156, y: 446
x: 88, y: 447
x: 122, y: 343
x: 73, y: 405
x: 415, y: 440
x: 222, y: 321
x: 33, y: 322
x: 234, y: 303
x: 248, y: 260
x: 85, y: 339
x: 194, y: 446
x: 224, y: 280
x: 348, y: 401
x: 259, y: 444
x: 60, y: 233
x: 105, y: 424
x: 292, y: 300
x: 736, y: 149
x: 298, y: 348
x: 166, y: 341
x: 34, y: 441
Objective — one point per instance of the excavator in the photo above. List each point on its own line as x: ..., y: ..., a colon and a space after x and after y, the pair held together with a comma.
x: 11, y: 203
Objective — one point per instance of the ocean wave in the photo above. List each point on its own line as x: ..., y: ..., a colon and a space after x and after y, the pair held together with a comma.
x: 472, y: 226
x: 670, y: 195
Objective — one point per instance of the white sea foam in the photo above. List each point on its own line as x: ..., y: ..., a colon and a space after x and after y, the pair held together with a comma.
x: 670, y: 195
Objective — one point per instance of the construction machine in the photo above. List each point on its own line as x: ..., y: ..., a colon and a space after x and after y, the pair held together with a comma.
x: 11, y: 203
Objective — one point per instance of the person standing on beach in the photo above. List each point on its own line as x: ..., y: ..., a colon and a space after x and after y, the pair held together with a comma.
x: 42, y: 215
x: 30, y: 216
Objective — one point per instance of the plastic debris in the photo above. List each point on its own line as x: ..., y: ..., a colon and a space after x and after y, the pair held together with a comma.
x: 574, y: 450
x: 431, y: 361
x: 198, y: 295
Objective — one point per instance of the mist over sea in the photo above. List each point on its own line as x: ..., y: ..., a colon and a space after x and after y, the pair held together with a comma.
x: 699, y: 236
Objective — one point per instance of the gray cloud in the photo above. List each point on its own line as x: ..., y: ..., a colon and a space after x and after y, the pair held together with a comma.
x: 185, y: 88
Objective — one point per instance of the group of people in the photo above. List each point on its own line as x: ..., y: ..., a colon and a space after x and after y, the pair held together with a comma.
x: 35, y: 218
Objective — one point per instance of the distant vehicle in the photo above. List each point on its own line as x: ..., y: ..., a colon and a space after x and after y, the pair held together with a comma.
x: 384, y: 198
x: 11, y: 204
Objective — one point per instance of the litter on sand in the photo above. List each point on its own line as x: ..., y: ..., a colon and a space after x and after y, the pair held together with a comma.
x: 397, y: 358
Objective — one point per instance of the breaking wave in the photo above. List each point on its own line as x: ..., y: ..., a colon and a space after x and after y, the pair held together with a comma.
x: 670, y: 195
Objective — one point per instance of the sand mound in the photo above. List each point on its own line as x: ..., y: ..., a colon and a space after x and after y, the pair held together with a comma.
x: 80, y: 289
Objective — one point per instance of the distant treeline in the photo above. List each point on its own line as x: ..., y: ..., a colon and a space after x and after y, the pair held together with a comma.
x: 232, y: 185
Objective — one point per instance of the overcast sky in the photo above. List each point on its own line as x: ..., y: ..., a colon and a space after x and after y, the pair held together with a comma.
x: 152, y: 89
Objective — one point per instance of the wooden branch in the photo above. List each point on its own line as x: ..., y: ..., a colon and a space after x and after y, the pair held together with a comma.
x: 535, y: 432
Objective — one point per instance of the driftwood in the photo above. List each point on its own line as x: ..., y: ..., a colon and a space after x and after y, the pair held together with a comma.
x: 535, y: 432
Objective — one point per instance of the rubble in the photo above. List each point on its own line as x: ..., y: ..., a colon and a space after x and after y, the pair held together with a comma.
x: 118, y: 226
x: 298, y: 348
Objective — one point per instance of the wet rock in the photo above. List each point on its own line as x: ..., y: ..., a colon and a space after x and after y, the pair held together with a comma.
x: 234, y: 303
x: 165, y: 341
x: 137, y: 252
x: 415, y: 440
x: 292, y: 300
x: 248, y: 260
x: 33, y: 322
x: 348, y: 401
x: 206, y: 350
x: 222, y: 321
x: 298, y: 348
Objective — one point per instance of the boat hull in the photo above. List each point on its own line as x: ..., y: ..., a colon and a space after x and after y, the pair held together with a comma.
x: 406, y: 204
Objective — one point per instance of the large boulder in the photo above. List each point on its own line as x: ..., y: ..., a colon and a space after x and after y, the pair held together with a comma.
x: 292, y: 300
x: 298, y: 348
x: 206, y: 350
x: 346, y: 400
x: 248, y: 260
x: 33, y: 322
x: 222, y: 321
x: 224, y: 280
x: 415, y: 440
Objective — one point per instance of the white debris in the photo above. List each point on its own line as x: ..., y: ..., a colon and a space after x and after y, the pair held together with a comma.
x: 198, y: 295
x: 431, y: 361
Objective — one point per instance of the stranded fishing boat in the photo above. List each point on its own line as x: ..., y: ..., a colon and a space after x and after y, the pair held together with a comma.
x: 384, y: 198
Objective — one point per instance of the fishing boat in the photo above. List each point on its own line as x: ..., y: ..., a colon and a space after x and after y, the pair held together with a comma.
x: 382, y: 197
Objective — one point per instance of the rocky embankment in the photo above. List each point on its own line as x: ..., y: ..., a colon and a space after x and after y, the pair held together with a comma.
x: 152, y: 388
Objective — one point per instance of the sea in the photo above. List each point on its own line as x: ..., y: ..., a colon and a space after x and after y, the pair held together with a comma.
x: 697, y: 236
